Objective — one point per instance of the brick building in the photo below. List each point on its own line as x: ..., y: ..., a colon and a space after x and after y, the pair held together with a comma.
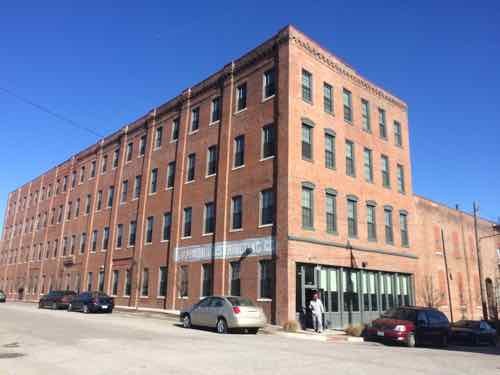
x: 283, y: 173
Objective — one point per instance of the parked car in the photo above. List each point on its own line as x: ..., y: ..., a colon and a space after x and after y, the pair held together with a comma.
x: 2, y: 296
x: 474, y: 332
x: 56, y: 299
x: 411, y: 326
x: 224, y: 314
x: 92, y: 302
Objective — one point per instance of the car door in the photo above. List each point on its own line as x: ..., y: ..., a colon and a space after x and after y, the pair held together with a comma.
x: 422, y: 330
x: 214, y: 310
x: 198, y: 312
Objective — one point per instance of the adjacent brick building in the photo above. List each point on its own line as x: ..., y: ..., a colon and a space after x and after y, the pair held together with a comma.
x: 283, y: 173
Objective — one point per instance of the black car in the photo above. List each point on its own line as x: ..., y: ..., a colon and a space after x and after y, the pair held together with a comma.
x: 474, y: 332
x: 56, y: 299
x: 92, y: 302
x: 2, y: 296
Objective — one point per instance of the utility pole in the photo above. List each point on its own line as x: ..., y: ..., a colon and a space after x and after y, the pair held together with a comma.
x: 479, y: 267
x: 447, y: 275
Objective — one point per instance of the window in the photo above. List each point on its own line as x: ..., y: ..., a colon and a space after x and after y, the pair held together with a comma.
x: 331, y: 212
x: 266, y: 207
x: 149, y: 229
x: 209, y: 226
x: 128, y: 283
x: 119, y: 236
x: 352, y: 218
x: 266, y: 280
x: 94, y: 240
x: 212, y: 160
x: 267, y: 141
x: 235, y: 279
x: 99, y: 200
x: 83, y: 242
x: 87, y: 204
x: 116, y: 157
x: 215, y: 113
x: 330, y: 151
x: 365, y: 115
x: 100, y: 281
x: 269, y: 84
x: 154, y: 181
x: 175, y: 129
x: 195, y: 119
x: 368, y: 164
x: 72, y: 245
x: 73, y: 183
x: 403, y: 224
x: 137, y: 186
x: 306, y: 86
x: 386, y: 181
x: 130, y: 148
x: 389, y: 235
x: 167, y: 223
x: 132, y: 233
x: 65, y: 185
x: 307, y: 207
x: 116, y: 280
x: 77, y: 207
x: 398, y: 137
x: 82, y: 176
x: 89, y: 281
x: 105, y: 238
x: 237, y: 213
x: 111, y: 196
x: 191, y: 165
x: 124, y: 191
x: 307, y: 142
x: 68, y: 213
x: 327, y: 98
x: 241, y: 97
x: 206, y: 289
x: 371, y: 222
x: 162, y: 282
x: 184, y: 281
x: 145, y: 283
x: 350, y: 166
x: 346, y: 94
x: 188, y: 211
x: 142, y: 145
x: 158, y: 136
x: 170, y: 174
x: 381, y: 123
x: 239, y: 151
x: 401, y: 178
x: 104, y: 164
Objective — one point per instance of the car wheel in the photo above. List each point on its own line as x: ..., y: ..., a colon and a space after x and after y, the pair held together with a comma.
x: 221, y: 326
x: 85, y: 309
x: 186, y: 322
x: 410, y: 340
x: 54, y: 306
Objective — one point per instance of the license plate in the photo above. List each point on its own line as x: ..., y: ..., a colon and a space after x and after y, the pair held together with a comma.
x: 380, y: 333
x: 104, y: 306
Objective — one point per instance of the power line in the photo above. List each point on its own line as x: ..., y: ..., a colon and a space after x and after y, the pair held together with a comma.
x: 51, y: 112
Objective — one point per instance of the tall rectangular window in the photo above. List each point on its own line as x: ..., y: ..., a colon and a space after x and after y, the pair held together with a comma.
x: 195, y: 119
x: 403, y: 225
x: 105, y: 238
x: 149, y: 229
x: 389, y: 234
x: 158, y: 136
x: 184, y: 281
x: 212, y: 161
x: 93, y: 168
x: 398, y: 137
x: 235, y: 278
x: 116, y: 155
x: 371, y: 222
x: 330, y: 151
x: 119, y: 236
x: 267, y: 141
x: 350, y: 166
x: 111, y: 196
x: 241, y: 97
x: 365, y: 115
x: 239, y: 151
x: 306, y: 86
x: 73, y: 183
x: 68, y: 214
x: 207, y: 280
x: 100, y: 281
x: 331, y: 213
x: 162, y: 282
x: 77, y: 207
x: 307, y: 142
x: 368, y: 164
x: 237, y: 212
x: 130, y: 148
x: 215, y: 110
x: 145, y: 282
x: 167, y: 224
x: 99, y: 200
x: 124, y: 191
x: 352, y: 218
x: 94, y: 240
x: 137, y: 186
x: 269, y: 84
x: 382, y: 124
x: 87, y: 204
x: 104, y: 164
x: 82, y: 175
x: 142, y: 145
x: 386, y: 180
x: 346, y: 95
x: 154, y: 181
x: 65, y: 185
x: 116, y: 280
x: 401, y: 178
x: 267, y: 207
x: 266, y: 279
x: 83, y: 242
x: 191, y: 165
x: 186, y: 230
x: 128, y: 283
x: 132, y: 233
x: 307, y: 207
x: 327, y: 98
x: 209, y: 226
x: 175, y: 129
x: 89, y: 282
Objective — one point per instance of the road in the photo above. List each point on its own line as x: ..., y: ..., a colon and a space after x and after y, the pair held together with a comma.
x: 34, y: 341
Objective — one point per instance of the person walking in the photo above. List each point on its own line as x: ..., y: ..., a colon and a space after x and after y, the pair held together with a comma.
x: 317, y: 311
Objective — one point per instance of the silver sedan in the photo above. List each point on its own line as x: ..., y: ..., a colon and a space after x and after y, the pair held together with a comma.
x: 224, y: 313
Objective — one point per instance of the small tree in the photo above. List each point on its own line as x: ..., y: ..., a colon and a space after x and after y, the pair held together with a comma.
x: 433, y: 297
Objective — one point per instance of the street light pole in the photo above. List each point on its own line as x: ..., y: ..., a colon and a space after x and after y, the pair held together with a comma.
x: 479, y: 267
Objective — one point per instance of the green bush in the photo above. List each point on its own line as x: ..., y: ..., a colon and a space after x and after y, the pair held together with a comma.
x: 355, y: 330
x: 291, y: 326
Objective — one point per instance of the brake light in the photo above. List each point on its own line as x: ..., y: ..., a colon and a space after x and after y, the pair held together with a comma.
x: 400, y: 328
x: 236, y: 310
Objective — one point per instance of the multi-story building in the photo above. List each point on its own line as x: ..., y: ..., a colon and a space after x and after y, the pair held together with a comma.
x: 283, y: 173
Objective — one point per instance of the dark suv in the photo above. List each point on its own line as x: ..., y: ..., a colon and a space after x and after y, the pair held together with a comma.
x: 92, y: 302
x: 411, y: 326
x: 56, y: 299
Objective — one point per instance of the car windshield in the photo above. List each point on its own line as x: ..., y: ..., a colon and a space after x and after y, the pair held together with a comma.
x: 400, y: 314
x: 238, y: 301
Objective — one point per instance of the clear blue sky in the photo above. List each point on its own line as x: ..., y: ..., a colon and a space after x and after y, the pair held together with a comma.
x: 105, y: 65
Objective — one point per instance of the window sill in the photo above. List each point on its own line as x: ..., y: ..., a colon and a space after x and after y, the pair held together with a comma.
x: 240, y: 111
x: 268, y: 98
x: 210, y: 175
x: 238, y: 167
x: 213, y: 123
x: 308, y: 228
x: 148, y: 243
x: 164, y: 241
x: 191, y: 132
x: 335, y: 233
x: 130, y: 246
x: 236, y: 230
x: 173, y: 141
x: 268, y: 158
x: 207, y: 234
x: 308, y: 160
x: 189, y: 182
x: 183, y: 297
x: 264, y: 299
x: 348, y: 122
x: 265, y: 225
x: 186, y: 237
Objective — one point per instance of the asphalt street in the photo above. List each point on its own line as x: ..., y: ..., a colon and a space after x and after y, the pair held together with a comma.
x: 34, y: 341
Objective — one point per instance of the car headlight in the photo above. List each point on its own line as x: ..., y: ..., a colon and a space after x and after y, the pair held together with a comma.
x: 400, y: 328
